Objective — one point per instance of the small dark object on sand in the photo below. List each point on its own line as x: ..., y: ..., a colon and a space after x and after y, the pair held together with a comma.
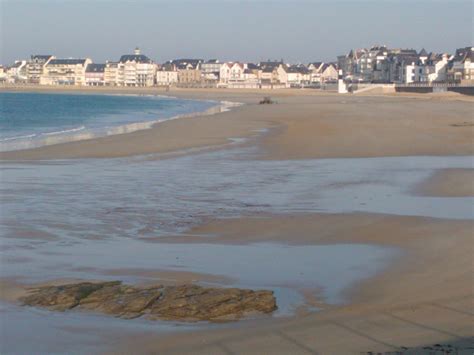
x: 463, y: 124
x: 267, y: 100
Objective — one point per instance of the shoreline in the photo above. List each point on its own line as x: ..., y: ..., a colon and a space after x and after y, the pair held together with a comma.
x: 90, y: 134
x: 303, y: 124
x: 159, y: 138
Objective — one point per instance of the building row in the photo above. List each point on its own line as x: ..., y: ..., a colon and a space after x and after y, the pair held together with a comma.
x: 378, y: 64
x: 138, y: 70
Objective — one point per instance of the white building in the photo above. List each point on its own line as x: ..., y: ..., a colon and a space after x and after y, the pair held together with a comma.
x: 266, y: 75
x: 35, y: 67
x: 113, y: 74
x: 280, y: 75
x: 3, y: 74
x: 426, y: 69
x: 231, y: 73
x: 329, y: 73
x: 138, y: 70
x: 294, y: 76
x: 409, y: 73
x: 65, y: 72
x: 439, y: 69
x: 17, y: 72
x: 462, y: 66
x: 166, y: 77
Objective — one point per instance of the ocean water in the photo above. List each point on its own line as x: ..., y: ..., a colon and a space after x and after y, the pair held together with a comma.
x: 33, y: 119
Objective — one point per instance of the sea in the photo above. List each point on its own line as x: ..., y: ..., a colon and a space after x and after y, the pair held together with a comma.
x: 29, y: 120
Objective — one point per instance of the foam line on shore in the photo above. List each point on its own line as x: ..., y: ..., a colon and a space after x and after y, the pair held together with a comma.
x: 37, y: 140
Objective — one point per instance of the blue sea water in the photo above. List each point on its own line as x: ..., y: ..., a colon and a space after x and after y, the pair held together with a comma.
x: 34, y: 119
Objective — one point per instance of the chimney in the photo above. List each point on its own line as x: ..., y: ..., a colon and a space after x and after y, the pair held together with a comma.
x: 137, y: 51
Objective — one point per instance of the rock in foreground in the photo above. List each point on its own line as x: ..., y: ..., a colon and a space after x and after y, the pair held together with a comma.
x: 183, y: 303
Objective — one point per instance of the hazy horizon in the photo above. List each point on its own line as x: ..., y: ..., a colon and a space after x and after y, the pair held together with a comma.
x: 297, y: 31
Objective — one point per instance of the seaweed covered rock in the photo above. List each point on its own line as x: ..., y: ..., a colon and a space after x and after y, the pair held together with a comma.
x: 190, y: 302
x: 121, y: 300
x: 63, y: 297
x: 183, y: 302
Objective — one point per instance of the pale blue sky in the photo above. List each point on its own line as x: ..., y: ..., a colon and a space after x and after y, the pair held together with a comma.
x: 242, y: 30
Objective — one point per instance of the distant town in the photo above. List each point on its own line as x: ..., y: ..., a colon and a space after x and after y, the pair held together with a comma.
x: 376, y: 65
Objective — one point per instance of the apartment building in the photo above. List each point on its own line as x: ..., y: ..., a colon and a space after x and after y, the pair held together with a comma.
x: 35, y: 67
x: 113, y: 74
x: 166, y: 76
x: 135, y: 70
x: 210, y: 69
x: 95, y: 75
x: 65, y: 72
x: 189, y: 70
x: 189, y: 75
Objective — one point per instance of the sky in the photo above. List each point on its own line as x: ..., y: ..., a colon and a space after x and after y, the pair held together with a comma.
x: 245, y: 30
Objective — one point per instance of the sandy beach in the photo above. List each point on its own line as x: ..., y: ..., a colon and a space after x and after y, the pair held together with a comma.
x: 424, y: 298
x: 304, y: 124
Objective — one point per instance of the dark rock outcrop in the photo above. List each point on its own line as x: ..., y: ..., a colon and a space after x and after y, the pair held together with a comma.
x: 184, y: 302
x: 61, y: 298
x: 121, y: 300
x: 190, y: 302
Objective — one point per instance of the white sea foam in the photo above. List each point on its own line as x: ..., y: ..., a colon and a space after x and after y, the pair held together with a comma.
x: 17, y: 137
x: 64, y: 131
x: 84, y: 133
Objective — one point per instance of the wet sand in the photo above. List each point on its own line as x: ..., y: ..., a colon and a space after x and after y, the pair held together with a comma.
x: 305, y: 124
x: 427, y: 298
x: 449, y: 183
x: 440, y: 250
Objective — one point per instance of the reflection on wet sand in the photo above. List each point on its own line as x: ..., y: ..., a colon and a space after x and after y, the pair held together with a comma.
x: 95, y: 219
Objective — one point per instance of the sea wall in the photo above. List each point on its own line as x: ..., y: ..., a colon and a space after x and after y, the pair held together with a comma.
x: 465, y: 90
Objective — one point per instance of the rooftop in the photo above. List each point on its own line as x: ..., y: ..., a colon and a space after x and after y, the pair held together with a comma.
x: 462, y: 54
x: 69, y: 61
x: 41, y: 57
x: 95, y: 68
x: 138, y: 58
